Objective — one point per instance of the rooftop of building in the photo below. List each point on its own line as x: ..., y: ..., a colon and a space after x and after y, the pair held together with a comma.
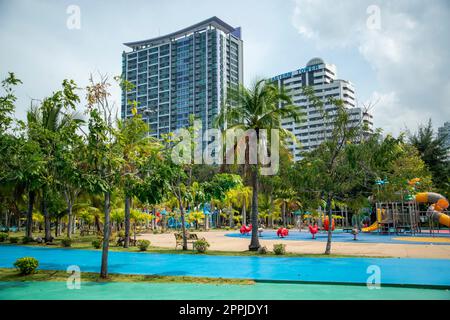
x: 213, y: 21
x: 315, y: 61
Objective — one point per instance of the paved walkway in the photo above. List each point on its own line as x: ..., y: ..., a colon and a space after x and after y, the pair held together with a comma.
x: 220, y: 242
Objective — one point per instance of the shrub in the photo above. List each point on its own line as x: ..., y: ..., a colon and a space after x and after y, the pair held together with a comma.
x: 26, y: 265
x: 201, y: 245
x: 227, y: 228
x: 66, y: 242
x: 121, y: 234
x: 262, y: 250
x: 155, y: 231
x: 97, y: 243
x: 143, y: 245
x: 3, y: 236
x: 13, y: 239
x: 279, y: 249
x: 26, y: 240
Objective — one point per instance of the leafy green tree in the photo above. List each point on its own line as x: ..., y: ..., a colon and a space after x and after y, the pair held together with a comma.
x: 434, y: 153
x: 103, y: 154
x: 261, y: 106
x: 329, y: 171
x: 136, y: 146
x: 11, y: 181
x: 7, y: 101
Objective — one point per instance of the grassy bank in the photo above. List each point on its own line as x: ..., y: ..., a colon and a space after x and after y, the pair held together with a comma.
x: 9, y: 274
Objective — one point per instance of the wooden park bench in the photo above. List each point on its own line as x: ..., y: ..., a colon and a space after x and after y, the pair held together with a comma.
x: 191, y: 238
x: 120, y: 242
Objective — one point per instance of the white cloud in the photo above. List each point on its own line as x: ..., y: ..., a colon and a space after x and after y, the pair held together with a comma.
x: 408, y: 53
x: 390, y: 116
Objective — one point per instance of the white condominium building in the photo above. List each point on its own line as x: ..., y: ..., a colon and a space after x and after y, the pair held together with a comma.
x: 314, y: 129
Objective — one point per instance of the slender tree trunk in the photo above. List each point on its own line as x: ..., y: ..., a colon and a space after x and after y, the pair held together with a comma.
x: 97, y: 223
x: 69, y: 219
x: 57, y: 227
x: 106, y: 230
x: 29, y: 225
x: 254, y: 243
x: 218, y: 222
x: 154, y: 218
x: 330, y: 220
x: 230, y: 216
x: 183, y: 226
x: 284, y: 214
x: 244, y: 213
x: 271, y: 212
x: 126, y: 243
x: 47, y: 225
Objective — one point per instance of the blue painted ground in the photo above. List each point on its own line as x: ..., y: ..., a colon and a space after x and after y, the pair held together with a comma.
x: 340, y: 236
x: 350, y: 270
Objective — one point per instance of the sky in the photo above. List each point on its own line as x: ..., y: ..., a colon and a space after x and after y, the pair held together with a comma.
x: 394, y: 52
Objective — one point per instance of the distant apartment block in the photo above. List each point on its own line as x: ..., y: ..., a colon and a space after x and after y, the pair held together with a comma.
x: 322, y: 77
x: 183, y: 73
x: 444, y: 131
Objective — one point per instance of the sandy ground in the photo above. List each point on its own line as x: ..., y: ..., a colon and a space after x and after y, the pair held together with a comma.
x: 219, y: 242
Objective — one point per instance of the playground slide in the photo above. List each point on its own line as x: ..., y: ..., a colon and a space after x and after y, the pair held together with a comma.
x: 372, y: 227
x: 439, y: 204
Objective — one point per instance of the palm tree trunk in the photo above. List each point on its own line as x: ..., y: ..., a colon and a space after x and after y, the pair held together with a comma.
x: 107, y: 209
x: 244, y: 213
x: 254, y: 243
x: 97, y: 223
x: 126, y: 243
x: 284, y: 214
x: 183, y: 226
x: 29, y: 225
x: 330, y: 217
x: 47, y: 226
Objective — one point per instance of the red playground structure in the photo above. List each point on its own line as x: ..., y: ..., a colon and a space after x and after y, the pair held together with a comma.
x: 246, y: 229
x: 326, y: 224
x: 282, y: 232
x: 313, y: 229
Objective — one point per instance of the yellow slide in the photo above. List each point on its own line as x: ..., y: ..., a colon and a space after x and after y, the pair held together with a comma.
x: 372, y: 227
x: 439, y: 204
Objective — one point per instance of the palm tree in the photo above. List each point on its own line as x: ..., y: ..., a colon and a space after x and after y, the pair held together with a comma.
x: 287, y: 199
x: 136, y: 146
x: 45, y: 125
x: 262, y: 106
x: 242, y: 198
